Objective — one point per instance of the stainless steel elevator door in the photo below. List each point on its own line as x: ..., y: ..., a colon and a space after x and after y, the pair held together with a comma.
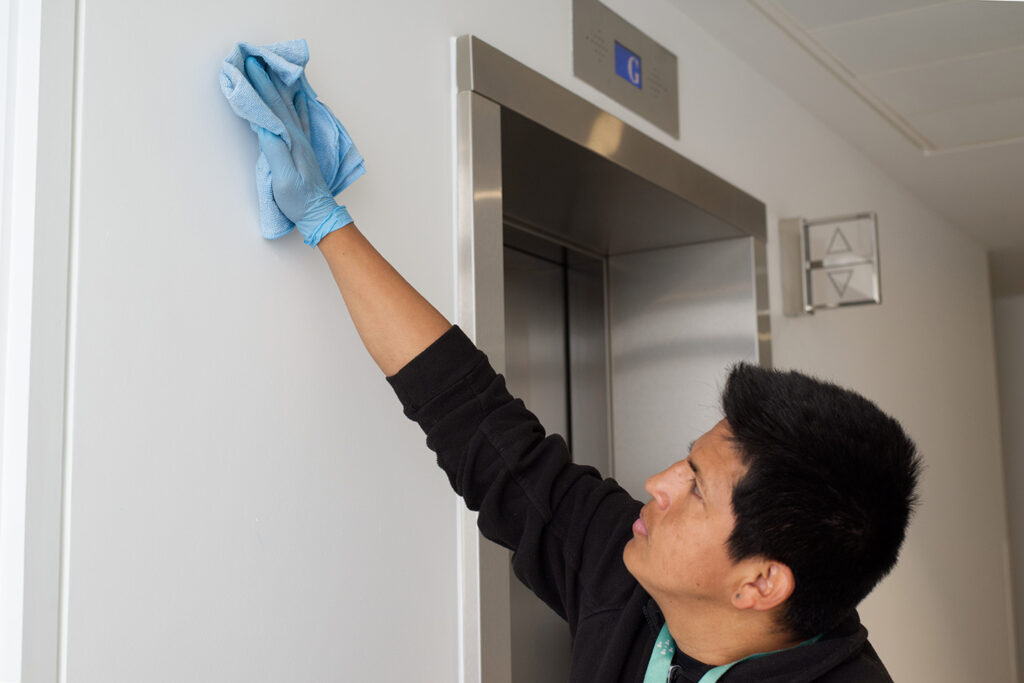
x: 679, y: 318
x: 536, y: 371
x: 556, y: 360
x: 535, y: 337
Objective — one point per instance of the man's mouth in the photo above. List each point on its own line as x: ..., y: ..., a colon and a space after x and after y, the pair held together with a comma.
x: 639, y: 528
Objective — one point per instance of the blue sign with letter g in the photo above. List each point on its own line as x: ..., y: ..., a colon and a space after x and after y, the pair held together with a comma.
x: 627, y: 65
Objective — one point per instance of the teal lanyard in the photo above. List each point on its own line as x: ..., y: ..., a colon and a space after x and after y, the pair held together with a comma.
x: 665, y: 648
x: 661, y: 657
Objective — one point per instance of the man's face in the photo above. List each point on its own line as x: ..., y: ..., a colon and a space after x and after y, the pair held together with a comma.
x: 678, y: 551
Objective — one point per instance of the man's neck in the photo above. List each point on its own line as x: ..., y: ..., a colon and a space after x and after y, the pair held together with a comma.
x: 715, y: 637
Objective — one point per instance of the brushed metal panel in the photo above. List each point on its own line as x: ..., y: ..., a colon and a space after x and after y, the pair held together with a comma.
x: 484, y: 610
x: 655, y: 94
x: 679, y: 319
x: 762, y: 303
x: 488, y: 72
x: 590, y: 416
x: 791, y: 265
x: 536, y: 366
x: 587, y: 200
x: 584, y: 338
x: 536, y: 369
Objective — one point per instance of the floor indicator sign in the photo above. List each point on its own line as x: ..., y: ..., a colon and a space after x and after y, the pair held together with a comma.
x: 625, y: 63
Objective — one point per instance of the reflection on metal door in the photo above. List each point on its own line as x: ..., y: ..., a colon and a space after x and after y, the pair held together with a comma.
x: 535, y: 368
x: 644, y: 336
x: 535, y: 336
x: 556, y: 361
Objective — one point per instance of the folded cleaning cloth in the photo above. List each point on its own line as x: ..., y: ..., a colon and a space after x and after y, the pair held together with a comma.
x: 337, y: 156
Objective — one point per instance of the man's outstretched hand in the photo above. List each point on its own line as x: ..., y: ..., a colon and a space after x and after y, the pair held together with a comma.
x: 300, y: 190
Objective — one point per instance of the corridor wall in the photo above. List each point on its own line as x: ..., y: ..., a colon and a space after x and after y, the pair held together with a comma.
x: 1008, y: 323
x: 240, y: 496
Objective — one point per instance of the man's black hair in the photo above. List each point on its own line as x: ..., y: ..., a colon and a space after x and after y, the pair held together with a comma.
x: 829, y: 490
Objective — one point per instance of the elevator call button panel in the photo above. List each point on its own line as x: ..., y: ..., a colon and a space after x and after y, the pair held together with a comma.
x: 829, y: 262
x: 626, y: 64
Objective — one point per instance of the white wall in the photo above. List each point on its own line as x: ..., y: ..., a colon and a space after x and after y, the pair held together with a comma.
x: 33, y: 315
x: 1008, y: 319
x: 246, y: 502
x: 11, y: 504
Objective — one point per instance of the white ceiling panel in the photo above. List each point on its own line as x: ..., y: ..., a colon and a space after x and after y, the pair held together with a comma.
x: 929, y: 34
x: 977, y: 187
x: 821, y: 13
x: 984, y: 78
x: 982, y: 123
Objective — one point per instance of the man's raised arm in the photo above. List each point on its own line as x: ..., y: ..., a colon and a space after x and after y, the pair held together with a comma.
x: 393, y: 320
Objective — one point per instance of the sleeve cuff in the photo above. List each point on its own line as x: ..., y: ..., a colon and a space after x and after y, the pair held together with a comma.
x: 441, y: 365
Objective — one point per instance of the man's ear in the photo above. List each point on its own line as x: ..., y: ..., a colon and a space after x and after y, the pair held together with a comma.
x: 765, y: 586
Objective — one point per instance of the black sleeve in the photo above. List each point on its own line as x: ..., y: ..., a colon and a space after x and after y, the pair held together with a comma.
x: 566, y: 525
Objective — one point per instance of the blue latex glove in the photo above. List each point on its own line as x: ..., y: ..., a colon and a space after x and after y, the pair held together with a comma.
x: 300, y: 190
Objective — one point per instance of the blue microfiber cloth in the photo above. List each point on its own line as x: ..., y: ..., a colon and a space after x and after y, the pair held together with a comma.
x: 340, y: 161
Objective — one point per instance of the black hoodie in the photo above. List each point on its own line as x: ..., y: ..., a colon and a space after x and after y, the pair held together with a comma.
x: 567, y: 527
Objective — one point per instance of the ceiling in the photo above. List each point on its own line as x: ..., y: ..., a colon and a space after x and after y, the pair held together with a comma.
x: 931, y: 90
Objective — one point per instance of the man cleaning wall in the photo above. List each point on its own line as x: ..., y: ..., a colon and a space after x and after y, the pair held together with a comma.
x: 749, y: 560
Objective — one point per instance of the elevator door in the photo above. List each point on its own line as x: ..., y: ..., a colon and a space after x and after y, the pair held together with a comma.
x: 555, y: 360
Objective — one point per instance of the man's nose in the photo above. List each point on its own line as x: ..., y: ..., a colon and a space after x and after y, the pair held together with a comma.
x: 665, y: 484
x: 656, y: 486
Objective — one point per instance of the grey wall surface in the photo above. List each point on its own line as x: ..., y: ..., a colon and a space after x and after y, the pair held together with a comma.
x: 1008, y: 321
x: 244, y: 500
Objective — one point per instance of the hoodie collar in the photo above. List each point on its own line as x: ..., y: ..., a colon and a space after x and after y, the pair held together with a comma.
x: 795, y: 665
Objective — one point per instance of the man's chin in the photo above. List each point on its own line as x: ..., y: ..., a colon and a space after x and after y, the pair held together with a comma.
x: 627, y: 553
x: 634, y: 567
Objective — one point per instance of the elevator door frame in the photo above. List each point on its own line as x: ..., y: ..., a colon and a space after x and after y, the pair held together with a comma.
x: 488, y: 80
